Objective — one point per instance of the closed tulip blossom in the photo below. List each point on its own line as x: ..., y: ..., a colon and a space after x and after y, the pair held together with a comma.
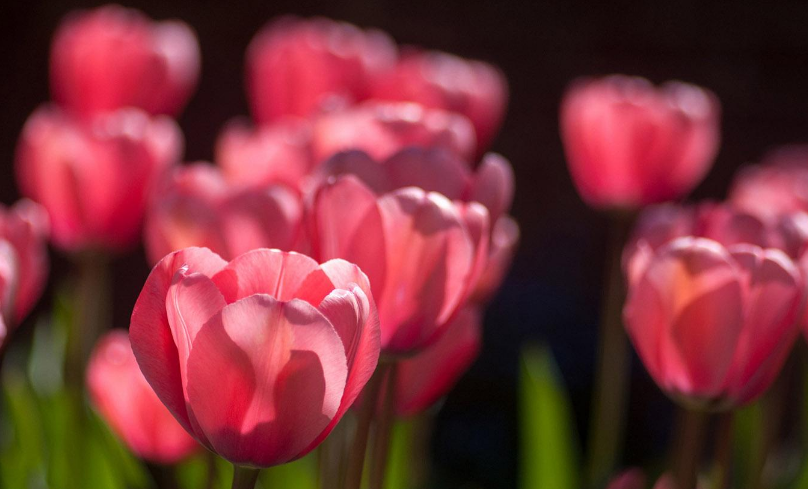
x: 94, y: 178
x: 629, y: 144
x: 257, y: 358
x: 129, y: 405
x: 300, y: 67
x: 713, y: 324
x: 23, y: 262
x: 439, y: 80
x: 113, y: 57
x: 195, y: 206
x: 381, y: 129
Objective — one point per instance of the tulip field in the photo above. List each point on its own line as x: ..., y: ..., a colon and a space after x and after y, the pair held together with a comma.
x: 317, y: 296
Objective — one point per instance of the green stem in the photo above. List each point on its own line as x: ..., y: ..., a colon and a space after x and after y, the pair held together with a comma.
x: 244, y: 477
x: 688, y: 447
x: 384, y: 427
x: 90, y: 314
x: 210, y: 461
x: 356, y: 458
x: 607, y: 424
x: 723, y: 451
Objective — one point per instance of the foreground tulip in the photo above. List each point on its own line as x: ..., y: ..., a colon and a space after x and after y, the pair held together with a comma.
x: 381, y: 129
x: 23, y: 262
x: 113, y: 57
x: 713, y: 324
x: 130, y: 406
x: 629, y: 144
x: 197, y: 207
x: 299, y: 67
x: 94, y: 178
x: 439, y: 80
x: 260, y: 357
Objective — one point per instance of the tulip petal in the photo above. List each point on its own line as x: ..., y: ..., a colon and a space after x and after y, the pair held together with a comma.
x: 434, y: 170
x: 263, y: 271
x: 493, y: 185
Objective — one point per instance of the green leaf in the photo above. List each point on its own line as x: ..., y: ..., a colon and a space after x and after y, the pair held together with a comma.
x: 548, y: 441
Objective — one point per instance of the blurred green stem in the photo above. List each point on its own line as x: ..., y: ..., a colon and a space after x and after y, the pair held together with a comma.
x: 210, y: 461
x: 608, y: 419
x: 384, y: 426
x: 688, y: 447
x: 356, y: 457
x: 723, y: 451
x: 244, y: 477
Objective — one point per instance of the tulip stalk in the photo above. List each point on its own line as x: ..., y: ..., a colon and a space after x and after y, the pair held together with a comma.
x: 723, y: 451
x: 688, y: 446
x: 244, y: 477
x: 90, y: 314
x: 384, y: 427
x: 613, y: 367
x: 367, y: 410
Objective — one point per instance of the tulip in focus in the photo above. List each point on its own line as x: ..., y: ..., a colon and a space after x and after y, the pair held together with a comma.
x: 630, y: 144
x: 195, y: 206
x: 94, y: 178
x: 113, y: 57
x: 258, y: 358
x: 439, y: 80
x: 300, y: 67
x: 713, y: 324
x: 129, y: 405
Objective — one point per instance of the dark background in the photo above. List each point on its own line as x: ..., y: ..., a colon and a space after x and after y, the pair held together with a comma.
x: 753, y: 56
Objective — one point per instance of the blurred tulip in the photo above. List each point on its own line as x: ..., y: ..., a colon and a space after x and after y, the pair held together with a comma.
x: 130, y: 406
x: 94, y: 178
x: 196, y: 207
x: 260, y: 357
x: 635, y: 479
x: 504, y: 241
x: 423, y: 379
x: 381, y: 129
x: 416, y: 247
x: 113, y: 57
x: 276, y: 153
x: 302, y: 66
x: 713, y: 324
x: 439, y: 80
x: 629, y: 144
x: 776, y: 187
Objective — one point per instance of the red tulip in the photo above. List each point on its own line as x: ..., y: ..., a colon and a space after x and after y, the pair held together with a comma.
x: 381, y: 129
x: 129, y: 405
x: 423, y: 379
x: 776, y: 187
x: 629, y: 144
x: 112, y: 57
x: 94, y: 178
x: 299, y: 67
x: 439, y: 80
x: 418, y: 248
x: 714, y: 324
x: 196, y: 207
x: 276, y: 153
x: 260, y: 357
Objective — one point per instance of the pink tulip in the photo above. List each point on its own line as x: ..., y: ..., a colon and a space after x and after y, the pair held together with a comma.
x: 302, y: 66
x: 713, y: 324
x: 196, y: 207
x: 776, y: 187
x: 381, y: 129
x: 129, y: 405
x: 439, y: 80
x: 425, y: 378
x: 276, y: 153
x: 93, y: 178
x: 112, y: 57
x: 635, y: 479
x: 418, y: 248
x: 260, y: 357
x: 504, y: 241
x: 629, y: 144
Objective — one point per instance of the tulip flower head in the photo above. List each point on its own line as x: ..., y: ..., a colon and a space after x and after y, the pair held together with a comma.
x: 129, y: 405
x: 112, y: 57
x: 629, y: 144
x: 258, y: 358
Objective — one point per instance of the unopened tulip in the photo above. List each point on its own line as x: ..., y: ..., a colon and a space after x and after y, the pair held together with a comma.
x: 417, y: 248
x: 713, y: 324
x: 197, y: 207
x: 274, y: 153
x: 629, y: 144
x: 129, y: 405
x: 302, y: 66
x: 258, y: 358
x: 113, y: 57
x: 94, y: 178
x: 381, y: 129
x: 439, y: 80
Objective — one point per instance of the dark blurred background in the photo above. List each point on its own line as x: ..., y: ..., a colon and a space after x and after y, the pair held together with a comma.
x: 753, y: 56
